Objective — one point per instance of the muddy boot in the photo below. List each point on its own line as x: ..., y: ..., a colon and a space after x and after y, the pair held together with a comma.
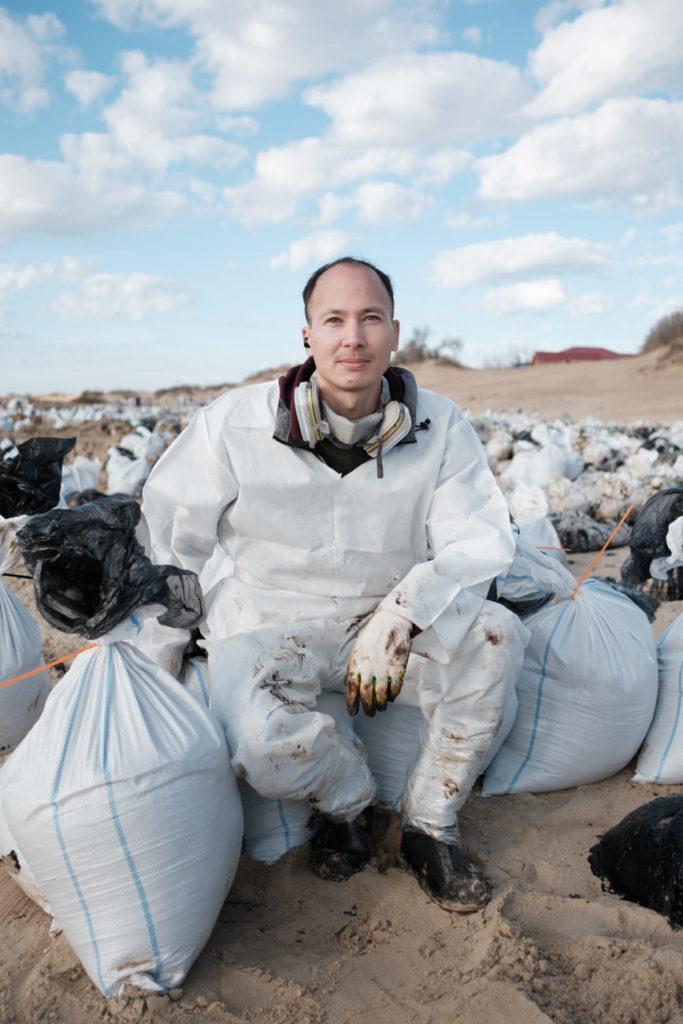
x: 341, y: 848
x: 445, y: 873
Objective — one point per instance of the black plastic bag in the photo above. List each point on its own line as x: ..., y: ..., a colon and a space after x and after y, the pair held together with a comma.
x: 642, y: 857
x: 30, y: 480
x: 648, y: 534
x: 580, y: 532
x: 90, y: 572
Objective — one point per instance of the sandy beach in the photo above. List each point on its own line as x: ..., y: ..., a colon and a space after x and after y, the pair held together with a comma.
x: 553, y: 945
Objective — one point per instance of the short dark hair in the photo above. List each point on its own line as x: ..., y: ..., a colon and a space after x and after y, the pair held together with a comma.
x: 313, y: 279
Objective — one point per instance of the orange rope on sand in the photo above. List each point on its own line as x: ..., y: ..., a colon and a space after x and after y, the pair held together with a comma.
x: 602, y: 549
x: 41, y: 668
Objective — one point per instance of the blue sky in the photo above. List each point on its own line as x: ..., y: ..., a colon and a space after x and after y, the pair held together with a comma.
x: 171, y: 171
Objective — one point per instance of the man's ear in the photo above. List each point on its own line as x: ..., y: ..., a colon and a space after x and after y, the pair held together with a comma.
x: 304, y: 334
x: 397, y: 331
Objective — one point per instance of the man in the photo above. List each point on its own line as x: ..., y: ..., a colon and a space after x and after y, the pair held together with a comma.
x: 364, y: 528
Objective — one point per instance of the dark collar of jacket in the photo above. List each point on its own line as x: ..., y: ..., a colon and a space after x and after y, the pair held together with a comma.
x: 402, y: 388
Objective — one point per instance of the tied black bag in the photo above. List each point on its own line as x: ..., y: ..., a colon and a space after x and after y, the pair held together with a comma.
x: 90, y: 572
x: 31, y: 475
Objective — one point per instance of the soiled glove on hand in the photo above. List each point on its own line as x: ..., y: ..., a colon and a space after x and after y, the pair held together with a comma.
x: 378, y: 662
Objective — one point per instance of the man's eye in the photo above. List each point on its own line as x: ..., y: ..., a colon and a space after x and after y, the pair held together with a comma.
x: 372, y: 316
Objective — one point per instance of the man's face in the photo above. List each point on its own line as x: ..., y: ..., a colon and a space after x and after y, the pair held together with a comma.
x: 351, y: 335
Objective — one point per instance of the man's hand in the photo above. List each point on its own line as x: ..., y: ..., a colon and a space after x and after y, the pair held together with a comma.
x: 378, y: 662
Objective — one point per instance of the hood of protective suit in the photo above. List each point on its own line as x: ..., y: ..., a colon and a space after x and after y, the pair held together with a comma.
x: 401, y: 384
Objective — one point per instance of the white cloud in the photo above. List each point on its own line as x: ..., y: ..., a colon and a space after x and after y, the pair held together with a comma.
x: 157, y: 119
x: 591, y: 304
x: 385, y: 202
x: 629, y: 149
x: 424, y: 100
x: 529, y: 255
x: 257, y: 49
x: 527, y: 295
x: 664, y: 308
x: 627, y: 237
x: 17, y: 279
x: 240, y: 127
x: 311, y: 168
x: 469, y: 223
x: 25, y: 50
x: 43, y: 197
x: 87, y: 86
x: 472, y: 34
x: 439, y: 167
x: 132, y: 296
x: 319, y: 246
x: 672, y: 232
x: 550, y: 14
x: 621, y: 49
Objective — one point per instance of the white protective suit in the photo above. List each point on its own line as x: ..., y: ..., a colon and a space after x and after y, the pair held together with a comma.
x: 314, y: 553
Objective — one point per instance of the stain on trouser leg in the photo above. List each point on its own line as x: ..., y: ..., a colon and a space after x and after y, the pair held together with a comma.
x: 463, y: 703
x: 265, y: 687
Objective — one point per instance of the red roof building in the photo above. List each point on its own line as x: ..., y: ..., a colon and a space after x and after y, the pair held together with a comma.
x: 577, y: 355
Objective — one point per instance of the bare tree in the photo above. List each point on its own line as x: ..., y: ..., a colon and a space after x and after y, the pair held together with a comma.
x: 667, y: 331
x: 417, y: 349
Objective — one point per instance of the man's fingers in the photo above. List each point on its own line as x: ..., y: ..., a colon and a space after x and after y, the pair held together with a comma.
x: 367, y: 695
x: 352, y: 692
x: 395, y: 684
x: 382, y: 693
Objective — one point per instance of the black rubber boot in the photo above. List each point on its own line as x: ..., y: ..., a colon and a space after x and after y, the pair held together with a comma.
x: 341, y: 848
x: 445, y: 873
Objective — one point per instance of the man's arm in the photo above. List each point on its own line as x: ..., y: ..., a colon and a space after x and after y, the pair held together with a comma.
x: 469, y: 534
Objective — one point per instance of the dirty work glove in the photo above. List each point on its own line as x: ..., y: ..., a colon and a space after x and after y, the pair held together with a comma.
x: 378, y: 662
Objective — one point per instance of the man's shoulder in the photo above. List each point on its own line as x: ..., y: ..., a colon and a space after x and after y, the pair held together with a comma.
x: 245, y: 400
x: 439, y: 404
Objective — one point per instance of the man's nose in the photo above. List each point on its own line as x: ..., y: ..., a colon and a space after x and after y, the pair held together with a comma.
x: 355, y: 334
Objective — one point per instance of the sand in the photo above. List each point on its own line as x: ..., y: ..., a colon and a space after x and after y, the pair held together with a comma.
x: 288, y: 947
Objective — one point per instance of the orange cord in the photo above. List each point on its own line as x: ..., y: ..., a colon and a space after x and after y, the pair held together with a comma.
x: 42, y: 668
x: 602, y: 549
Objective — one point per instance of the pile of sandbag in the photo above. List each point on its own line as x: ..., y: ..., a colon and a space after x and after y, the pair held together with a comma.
x: 119, y: 806
x: 558, y: 469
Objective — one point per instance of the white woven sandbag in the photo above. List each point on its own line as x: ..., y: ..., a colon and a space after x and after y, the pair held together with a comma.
x: 271, y: 827
x: 540, y: 532
x: 81, y: 474
x: 587, y: 693
x: 543, y: 464
x: 534, y: 576
x: 661, y: 757
x: 22, y: 702
x: 124, y: 804
x: 125, y: 475
x: 19, y: 869
x: 21, y: 651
